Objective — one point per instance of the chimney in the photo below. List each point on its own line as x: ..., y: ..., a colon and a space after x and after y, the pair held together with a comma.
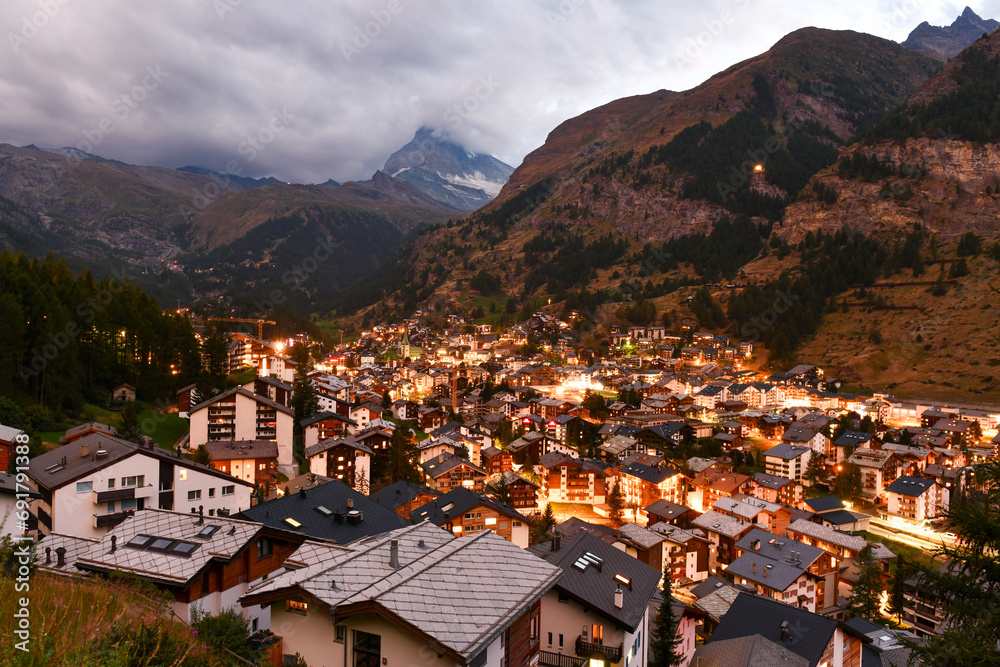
x: 350, y: 503
x: 394, y: 554
x: 619, y: 598
x: 755, y: 567
x: 784, y: 630
x: 765, y: 570
x: 84, y: 450
x: 302, y: 493
x: 64, y: 461
x: 48, y: 555
x: 60, y: 556
x: 201, y: 515
x: 114, y: 543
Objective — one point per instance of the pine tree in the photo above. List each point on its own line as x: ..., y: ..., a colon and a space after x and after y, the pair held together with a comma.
x: 500, y: 489
x: 815, y: 471
x: 616, y: 504
x: 901, y: 570
x: 386, y: 400
x: 865, y: 600
x: 128, y: 424
x: 849, y: 484
x: 202, y: 456
x: 664, y: 642
x: 403, y: 457
x: 541, y: 528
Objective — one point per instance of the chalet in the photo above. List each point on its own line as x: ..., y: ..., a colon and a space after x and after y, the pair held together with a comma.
x: 332, y: 511
x: 915, y: 499
x: 404, y: 410
x: 724, y: 532
x: 496, y: 460
x: 831, y: 511
x: 641, y: 484
x: 123, y: 392
x: 343, y: 459
x: 325, y: 425
x: 98, y: 481
x: 403, y: 497
x: 366, y: 413
x: 254, y: 461
x: 852, y: 440
x: 238, y: 414
x: 573, y: 480
x: 663, y: 511
x: 431, y: 418
x: 466, y: 512
x: 523, y: 492
x: 878, y: 470
x: 528, y: 449
x: 373, y: 621
x: 801, y: 435
x: 786, y: 460
x: 713, y: 484
x: 776, y: 489
x: 598, y: 610
x: 201, y: 561
x: 757, y: 630
x: 785, y: 570
x: 960, y: 433
x: 83, y: 430
x: 447, y: 471
x: 271, y: 388
x: 685, y: 551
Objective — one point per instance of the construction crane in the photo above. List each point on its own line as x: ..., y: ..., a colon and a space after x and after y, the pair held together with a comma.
x: 260, y: 323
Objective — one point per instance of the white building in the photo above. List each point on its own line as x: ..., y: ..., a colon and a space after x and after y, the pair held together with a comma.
x: 238, y: 414
x: 95, y: 483
x: 916, y: 499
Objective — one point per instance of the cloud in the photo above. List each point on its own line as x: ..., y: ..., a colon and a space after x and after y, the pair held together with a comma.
x: 355, y: 80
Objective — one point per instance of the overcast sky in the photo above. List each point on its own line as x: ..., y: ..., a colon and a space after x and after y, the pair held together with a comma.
x: 314, y: 89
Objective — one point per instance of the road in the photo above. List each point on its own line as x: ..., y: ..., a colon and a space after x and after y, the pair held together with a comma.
x: 922, y: 538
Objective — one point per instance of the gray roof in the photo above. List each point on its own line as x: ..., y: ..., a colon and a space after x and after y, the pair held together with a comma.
x: 438, y: 588
x: 644, y: 538
x: 8, y: 433
x: 648, y: 473
x: 75, y: 547
x: 807, y: 634
x: 910, y: 486
x: 824, y: 503
x: 399, y: 493
x: 231, y: 537
x: 783, y: 450
x: 723, y: 524
x: 8, y: 486
x: 590, y: 567
x: 48, y: 471
x: 764, y: 571
x: 751, y: 651
x: 330, y: 443
x: 773, y: 482
x: 667, y: 509
x: 698, y: 465
x: 456, y: 502
x: 333, y: 524
x: 226, y: 450
x: 827, y: 534
x: 243, y: 392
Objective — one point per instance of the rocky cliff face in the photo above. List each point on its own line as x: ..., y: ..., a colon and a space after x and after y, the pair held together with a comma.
x: 955, y: 188
x: 946, y: 42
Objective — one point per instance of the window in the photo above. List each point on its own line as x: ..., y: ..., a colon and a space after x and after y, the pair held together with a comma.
x: 340, y: 633
x: 598, y: 634
x: 297, y: 607
x: 263, y: 548
x: 211, y: 492
x: 128, y: 504
x: 262, y: 466
x: 367, y: 649
x: 183, y: 475
x: 111, y: 482
x: 517, y: 524
x: 111, y: 507
x: 229, y: 490
x: 550, y: 639
x: 84, y: 487
x: 560, y: 641
x: 194, y: 495
x: 135, y: 480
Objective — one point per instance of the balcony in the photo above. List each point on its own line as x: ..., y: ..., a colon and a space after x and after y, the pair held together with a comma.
x: 548, y: 659
x: 111, y: 520
x: 127, y: 493
x: 612, y: 654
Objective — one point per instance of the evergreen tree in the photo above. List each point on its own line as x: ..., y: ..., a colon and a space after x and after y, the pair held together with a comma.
x: 545, y: 523
x: 970, y: 588
x: 386, y: 400
x: 202, y: 456
x: 403, y: 457
x: 901, y: 571
x: 616, y: 503
x: 304, y: 399
x: 128, y: 423
x: 848, y: 484
x: 815, y: 471
x: 499, y: 489
x: 865, y: 600
x: 664, y: 643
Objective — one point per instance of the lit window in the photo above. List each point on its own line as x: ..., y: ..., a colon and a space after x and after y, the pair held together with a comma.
x: 297, y: 607
x: 183, y: 475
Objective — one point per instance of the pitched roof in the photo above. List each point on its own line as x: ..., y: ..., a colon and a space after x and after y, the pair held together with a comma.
x: 323, y: 512
x: 399, y: 493
x: 174, y: 566
x: 751, y: 651
x: 457, y: 502
x: 666, y: 509
x: 49, y: 472
x: 445, y: 463
x: 437, y: 588
x: 330, y: 443
x: 806, y: 635
x: 227, y: 450
x: 820, y: 532
x: 784, y: 450
x: 242, y: 392
x: 643, y: 538
x: 593, y: 570
x: 8, y: 433
x: 723, y: 524
x: 8, y: 486
x: 648, y: 473
x: 910, y: 486
x: 322, y: 416
x: 83, y: 428
x: 824, y: 504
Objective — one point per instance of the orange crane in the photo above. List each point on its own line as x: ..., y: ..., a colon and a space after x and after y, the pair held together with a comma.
x: 260, y: 323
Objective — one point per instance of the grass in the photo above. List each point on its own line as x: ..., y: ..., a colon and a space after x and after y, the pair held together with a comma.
x: 83, y: 622
x: 913, y: 554
x: 165, y: 429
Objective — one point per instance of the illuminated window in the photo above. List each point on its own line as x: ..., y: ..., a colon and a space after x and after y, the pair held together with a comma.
x: 183, y: 475
x: 297, y: 607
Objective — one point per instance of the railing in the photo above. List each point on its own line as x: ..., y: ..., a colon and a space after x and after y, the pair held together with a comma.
x: 109, y: 520
x: 127, y: 493
x: 585, y: 649
x: 549, y: 659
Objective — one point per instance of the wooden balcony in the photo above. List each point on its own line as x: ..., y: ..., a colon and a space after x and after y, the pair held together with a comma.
x: 612, y: 654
